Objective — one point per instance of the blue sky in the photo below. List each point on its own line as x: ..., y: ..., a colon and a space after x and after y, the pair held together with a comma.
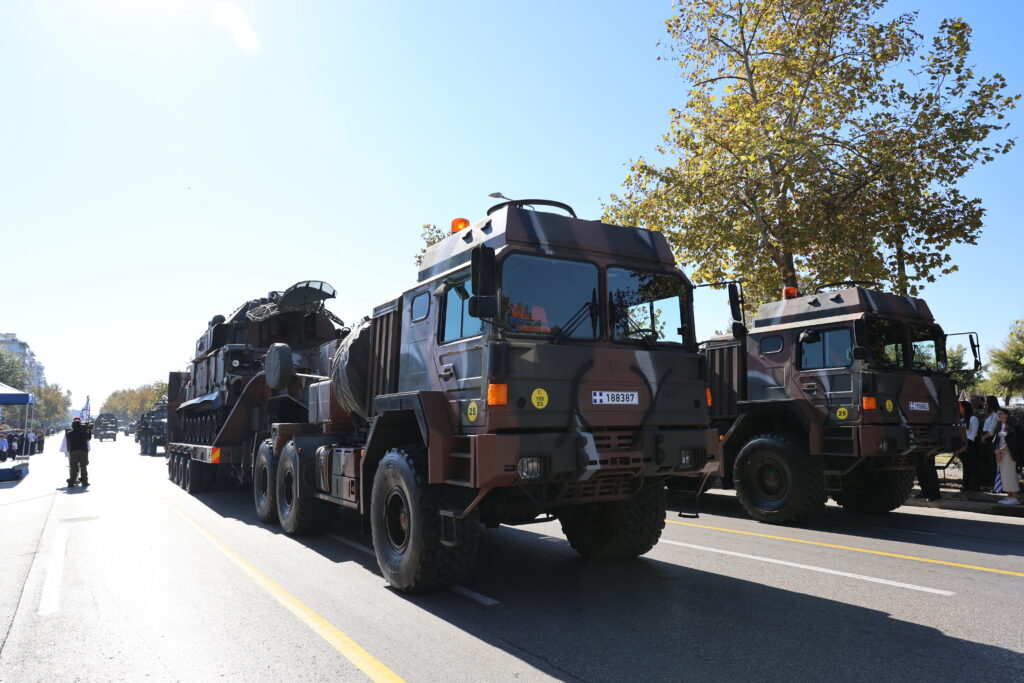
x: 162, y: 161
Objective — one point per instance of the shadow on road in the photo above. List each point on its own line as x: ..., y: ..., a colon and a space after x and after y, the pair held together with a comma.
x: 653, y: 620
x: 994, y: 536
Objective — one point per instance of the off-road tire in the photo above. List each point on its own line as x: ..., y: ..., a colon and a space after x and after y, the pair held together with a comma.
x: 171, y: 460
x: 143, y: 446
x: 194, y: 479
x: 179, y: 471
x: 620, y: 530
x: 298, y: 515
x: 777, y: 481
x: 405, y: 523
x: 186, y: 473
x: 264, y: 483
x: 880, y: 492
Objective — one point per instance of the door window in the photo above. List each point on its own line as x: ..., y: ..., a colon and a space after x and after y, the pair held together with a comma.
x: 457, y: 323
x: 834, y: 349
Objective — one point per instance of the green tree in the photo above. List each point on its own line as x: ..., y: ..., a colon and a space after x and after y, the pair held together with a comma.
x: 13, y: 372
x: 797, y: 157
x: 52, y: 405
x: 129, y: 404
x: 962, y: 366
x: 431, y: 235
x: 1007, y: 377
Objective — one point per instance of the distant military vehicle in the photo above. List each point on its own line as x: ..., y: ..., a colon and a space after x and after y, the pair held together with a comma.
x: 839, y: 393
x: 151, y: 429
x: 105, y: 426
x: 542, y: 367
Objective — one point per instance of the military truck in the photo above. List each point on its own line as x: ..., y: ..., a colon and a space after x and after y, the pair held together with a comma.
x: 542, y: 367
x: 151, y: 428
x: 840, y: 393
x: 105, y: 426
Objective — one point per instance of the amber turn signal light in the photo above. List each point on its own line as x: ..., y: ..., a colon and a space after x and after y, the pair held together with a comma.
x: 707, y: 392
x: 870, y: 403
x: 497, y: 394
x: 459, y: 224
x: 789, y: 293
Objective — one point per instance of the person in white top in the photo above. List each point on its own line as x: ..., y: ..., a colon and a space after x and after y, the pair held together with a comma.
x: 31, y: 437
x: 987, y: 456
x: 969, y: 452
x: 1007, y: 450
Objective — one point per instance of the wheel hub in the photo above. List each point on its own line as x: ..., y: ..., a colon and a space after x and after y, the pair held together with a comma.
x: 396, y: 519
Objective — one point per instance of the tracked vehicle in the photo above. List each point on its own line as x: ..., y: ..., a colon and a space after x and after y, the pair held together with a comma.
x: 541, y: 367
x: 841, y: 393
x: 151, y: 428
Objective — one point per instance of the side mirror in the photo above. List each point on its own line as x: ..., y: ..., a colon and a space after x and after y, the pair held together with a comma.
x: 734, y: 302
x: 739, y: 330
x: 858, y: 353
x: 483, y: 307
x: 483, y: 271
x: 809, y: 337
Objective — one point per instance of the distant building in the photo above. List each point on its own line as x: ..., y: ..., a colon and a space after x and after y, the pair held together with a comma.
x: 36, y: 371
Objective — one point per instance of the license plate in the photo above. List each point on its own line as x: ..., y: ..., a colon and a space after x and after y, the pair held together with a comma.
x: 619, y: 398
x: 918, y: 405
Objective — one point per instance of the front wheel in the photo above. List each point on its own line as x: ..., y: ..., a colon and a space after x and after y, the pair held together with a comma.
x: 777, y: 481
x: 620, y: 530
x: 879, y: 492
x: 405, y: 521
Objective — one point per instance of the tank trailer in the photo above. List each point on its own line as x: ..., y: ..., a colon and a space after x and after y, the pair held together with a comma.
x: 542, y: 367
x: 840, y: 393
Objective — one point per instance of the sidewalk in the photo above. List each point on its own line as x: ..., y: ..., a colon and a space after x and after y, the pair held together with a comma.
x: 952, y: 499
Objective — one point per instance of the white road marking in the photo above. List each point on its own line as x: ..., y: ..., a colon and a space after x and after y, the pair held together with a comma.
x: 823, y: 570
x: 464, y: 592
x: 49, y: 601
x: 473, y: 595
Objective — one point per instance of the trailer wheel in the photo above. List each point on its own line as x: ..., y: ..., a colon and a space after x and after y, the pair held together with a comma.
x: 880, y: 492
x: 405, y: 521
x: 777, y: 481
x: 620, y: 530
x: 298, y: 515
x: 194, y: 479
x: 171, y: 463
x: 264, y: 483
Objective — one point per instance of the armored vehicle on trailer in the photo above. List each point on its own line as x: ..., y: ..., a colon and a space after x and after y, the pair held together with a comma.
x: 542, y: 367
x: 841, y: 393
x: 151, y: 429
x: 105, y: 426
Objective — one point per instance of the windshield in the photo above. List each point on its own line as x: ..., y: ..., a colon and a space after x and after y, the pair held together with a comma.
x: 640, y: 302
x: 540, y: 295
x: 885, y: 343
x: 927, y: 347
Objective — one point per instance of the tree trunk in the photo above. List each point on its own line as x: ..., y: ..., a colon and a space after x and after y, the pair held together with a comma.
x: 901, y: 270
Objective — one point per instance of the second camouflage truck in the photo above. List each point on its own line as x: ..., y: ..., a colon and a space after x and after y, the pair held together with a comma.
x: 840, y: 393
x: 542, y: 367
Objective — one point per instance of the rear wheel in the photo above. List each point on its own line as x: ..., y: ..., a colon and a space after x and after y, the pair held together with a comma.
x: 880, y: 492
x: 298, y: 514
x: 405, y: 520
x: 777, y: 481
x: 194, y: 478
x: 172, y: 461
x: 264, y: 483
x: 620, y: 530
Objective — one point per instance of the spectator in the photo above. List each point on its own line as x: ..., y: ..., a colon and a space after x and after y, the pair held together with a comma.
x: 4, y: 446
x: 1007, y: 445
x: 31, y: 437
x: 969, y: 455
x: 986, y: 455
x: 13, y: 442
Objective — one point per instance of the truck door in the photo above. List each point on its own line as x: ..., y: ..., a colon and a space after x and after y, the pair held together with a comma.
x: 824, y: 373
x: 459, y: 352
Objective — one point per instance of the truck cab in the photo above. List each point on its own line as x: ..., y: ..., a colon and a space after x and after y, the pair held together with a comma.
x: 841, y: 393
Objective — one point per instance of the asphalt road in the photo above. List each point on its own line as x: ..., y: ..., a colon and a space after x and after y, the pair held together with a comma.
x: 134, y: 578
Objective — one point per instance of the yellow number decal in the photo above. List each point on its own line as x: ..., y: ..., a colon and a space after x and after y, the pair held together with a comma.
x: 842, y: 413
x: 472, y: 411
x: 888, y: 405
x: 539, y: 398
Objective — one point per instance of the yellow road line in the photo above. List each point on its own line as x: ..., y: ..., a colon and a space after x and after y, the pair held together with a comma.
x: 366, y: 662
x: 846, y: 547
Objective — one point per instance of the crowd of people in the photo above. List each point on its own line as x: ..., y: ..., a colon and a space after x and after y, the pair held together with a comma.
x: 994, y: 451
x: 15, y: 442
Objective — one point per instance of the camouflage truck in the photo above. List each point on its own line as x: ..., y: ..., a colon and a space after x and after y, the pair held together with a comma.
x: 151, y: 429
x: 841, y: 393
x: 542, y: 367
x: 105, y: 426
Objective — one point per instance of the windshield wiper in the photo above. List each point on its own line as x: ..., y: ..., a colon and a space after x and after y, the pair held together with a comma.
x: 647, y: 334
x: 574, y: 321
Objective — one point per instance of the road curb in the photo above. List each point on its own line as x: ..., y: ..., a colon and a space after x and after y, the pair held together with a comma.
x: 951, y: 501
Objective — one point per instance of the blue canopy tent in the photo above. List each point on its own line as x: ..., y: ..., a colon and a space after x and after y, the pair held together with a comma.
x: 9, y: 396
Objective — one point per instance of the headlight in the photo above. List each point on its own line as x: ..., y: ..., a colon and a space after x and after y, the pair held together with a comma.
x: 530, y: 467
